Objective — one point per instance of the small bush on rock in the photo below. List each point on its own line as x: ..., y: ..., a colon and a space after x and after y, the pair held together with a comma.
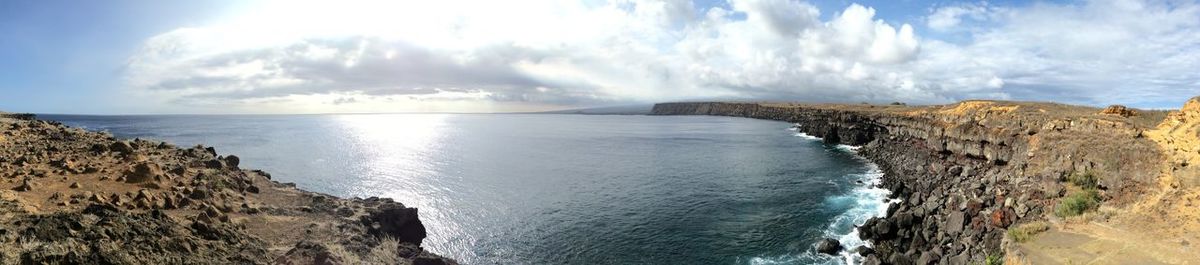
x: 1085, y: 180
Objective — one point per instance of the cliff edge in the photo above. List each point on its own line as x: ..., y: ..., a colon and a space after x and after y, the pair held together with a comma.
x: 71, y: 196
x: 967, y: 173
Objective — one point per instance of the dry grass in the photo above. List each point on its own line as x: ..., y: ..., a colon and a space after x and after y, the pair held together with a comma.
x: 1027, y: 231
x: 387, y: 252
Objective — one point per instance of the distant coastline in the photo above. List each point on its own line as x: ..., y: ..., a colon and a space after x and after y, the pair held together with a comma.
x: 969, y: 172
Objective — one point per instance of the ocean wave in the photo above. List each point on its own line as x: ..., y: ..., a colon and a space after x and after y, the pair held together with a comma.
x: 870, y: 201
x: 867, y: 199
x: 807, y: 137
x: 848, y: 148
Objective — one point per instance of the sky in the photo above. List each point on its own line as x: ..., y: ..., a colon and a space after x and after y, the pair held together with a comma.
x: 213, y: 57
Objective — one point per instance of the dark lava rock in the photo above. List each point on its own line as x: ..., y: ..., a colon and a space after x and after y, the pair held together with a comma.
x: 928, y: 258
x: 899, y: 259
x: 882, y: 229
x: 829, y: 246
x: 214, y: 163
x: 863, y: 251
x: 232, y: 161
x: 954, y: 223
x: 396, y: 221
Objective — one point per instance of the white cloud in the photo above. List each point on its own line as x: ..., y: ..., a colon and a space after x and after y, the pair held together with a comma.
x: 947, y: 18
x: 1095, y: 52
x: 566, y: 53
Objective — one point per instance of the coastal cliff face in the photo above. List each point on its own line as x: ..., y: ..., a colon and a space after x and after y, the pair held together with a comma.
x: 78, y: 197
x: 964, y: 173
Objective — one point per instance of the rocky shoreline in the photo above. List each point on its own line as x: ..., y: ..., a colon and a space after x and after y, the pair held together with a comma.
x: 965, y: 173
x: 72, y: 196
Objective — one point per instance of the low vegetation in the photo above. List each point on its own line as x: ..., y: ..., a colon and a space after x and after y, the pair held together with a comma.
x: 993, y: 259
x: 1078, y: 203
x: 1086, y: 180
x: 1084, y: 197
x: 1027, y: 231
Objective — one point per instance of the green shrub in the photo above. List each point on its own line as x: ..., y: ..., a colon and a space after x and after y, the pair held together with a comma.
x: 995, y: 259
x: 1077, y: 203
x: 992, y: 259
x: 1026, y: 231
x: 1085, y: 180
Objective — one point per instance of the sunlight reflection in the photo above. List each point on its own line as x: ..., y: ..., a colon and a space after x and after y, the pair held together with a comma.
x: 399, y: 148
x: 403, y: 155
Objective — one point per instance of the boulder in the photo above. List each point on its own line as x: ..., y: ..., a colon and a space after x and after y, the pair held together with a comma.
x: 899, y: 259
x: 1002, y: 218
x: 829, y: 246
x: 232, y: 161
x: 954, y: 223
x: 928, y: 258
x: 871, y: 260
x: 882, y: 229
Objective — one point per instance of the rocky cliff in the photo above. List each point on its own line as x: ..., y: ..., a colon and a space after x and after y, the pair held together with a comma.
x: 967, y: 172
x: 77, y: 197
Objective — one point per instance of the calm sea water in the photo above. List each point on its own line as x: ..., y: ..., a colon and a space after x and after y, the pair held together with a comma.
x: 561, y: 189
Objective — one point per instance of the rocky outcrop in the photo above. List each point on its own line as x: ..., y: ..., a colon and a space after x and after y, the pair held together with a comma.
x: 79, y: 197
x: 965, y: 172
x: 1119, y: 111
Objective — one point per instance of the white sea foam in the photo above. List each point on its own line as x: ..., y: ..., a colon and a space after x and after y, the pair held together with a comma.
x: 807, y: 137
x: 868, y: 201
x: 849, y: 148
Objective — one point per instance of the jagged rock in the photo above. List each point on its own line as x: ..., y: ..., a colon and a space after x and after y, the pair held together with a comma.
x: 960, y: 259
x: 74, y: 185
x: 829, y: 246
x: 954, y: 223
x: 1002, y: 218
x: 1119, y: 111
x: 882, y: 229
x: 396, y: 221
x: 928, y: 258
x: 178, y: 171
x: 214, y: 163
x: 199, y: 193
x: 863, y: 251
x: 904, y: 220
x: 899, y: 259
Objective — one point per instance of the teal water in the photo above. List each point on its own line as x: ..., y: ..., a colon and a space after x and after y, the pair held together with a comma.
x: 561, y: 189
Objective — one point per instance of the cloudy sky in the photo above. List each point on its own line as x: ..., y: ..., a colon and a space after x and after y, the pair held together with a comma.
x: 492, y: 56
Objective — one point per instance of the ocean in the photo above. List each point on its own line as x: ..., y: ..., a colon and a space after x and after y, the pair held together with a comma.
x: 561, y: 189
